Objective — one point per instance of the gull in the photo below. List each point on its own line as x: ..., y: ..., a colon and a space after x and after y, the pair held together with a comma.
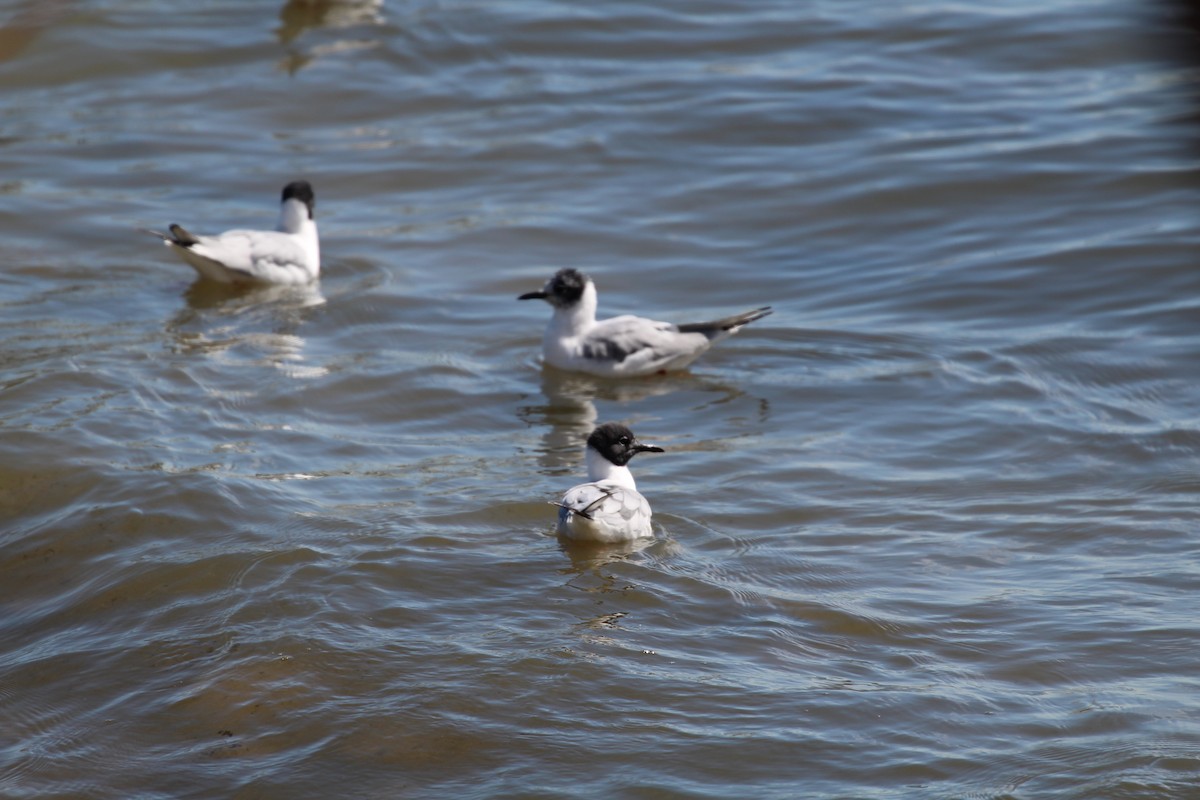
x: 608, y: 508
x: 624, y: 346
x: 290, y: 254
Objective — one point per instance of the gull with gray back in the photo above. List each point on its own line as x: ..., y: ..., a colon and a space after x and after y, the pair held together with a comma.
x: 608, y: 508
x: 624, y: 346
x: 290, y: 254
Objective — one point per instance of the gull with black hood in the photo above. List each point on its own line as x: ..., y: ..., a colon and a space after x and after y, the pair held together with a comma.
x: 609, y: 507
x: 622, y: 346
x: 291, y: 254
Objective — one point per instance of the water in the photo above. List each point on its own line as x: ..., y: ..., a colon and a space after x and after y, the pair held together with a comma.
x: 930, y: 530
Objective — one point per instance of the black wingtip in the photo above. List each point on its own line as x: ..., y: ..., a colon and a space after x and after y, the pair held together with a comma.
x: 581, y: 512
x: 715, y: 327
x: 181, y: 236
x: 756, y: 315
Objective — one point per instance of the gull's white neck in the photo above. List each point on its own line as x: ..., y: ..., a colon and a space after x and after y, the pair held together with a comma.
x: 578, y: 318
x: 293, y: 216
x: 294, y: 219
x: 600, y: 469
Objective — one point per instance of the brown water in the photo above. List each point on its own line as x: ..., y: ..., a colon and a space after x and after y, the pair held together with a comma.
x: 929, y: 531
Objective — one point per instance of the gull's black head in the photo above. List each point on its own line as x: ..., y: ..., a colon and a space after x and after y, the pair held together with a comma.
x: 618, y: 444
x: 561, y: 291
x: 302, y: 191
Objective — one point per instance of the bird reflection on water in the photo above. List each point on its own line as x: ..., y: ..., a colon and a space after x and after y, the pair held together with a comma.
x: 569, y: 413
x: 29, y: 22
x: 298, y: 16
x: 202, y: 294
x: 586, y: 557
x: 219, y: 319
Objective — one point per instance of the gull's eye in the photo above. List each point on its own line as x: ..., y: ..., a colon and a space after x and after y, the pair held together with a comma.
x: 625, y: 440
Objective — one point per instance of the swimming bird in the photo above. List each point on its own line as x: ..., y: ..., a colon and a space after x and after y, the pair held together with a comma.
x: 622, y: 346
x: 608, y: 508
x: 290, y: 254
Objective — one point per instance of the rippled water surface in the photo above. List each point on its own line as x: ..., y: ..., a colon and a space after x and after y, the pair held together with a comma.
x: 930, y: 530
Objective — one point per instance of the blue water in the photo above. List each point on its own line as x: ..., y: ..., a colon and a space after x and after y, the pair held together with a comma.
x: 929, y: 530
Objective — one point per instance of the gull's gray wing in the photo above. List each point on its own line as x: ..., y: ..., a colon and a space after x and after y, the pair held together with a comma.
x: 610, y: 513
x: 629, y: 344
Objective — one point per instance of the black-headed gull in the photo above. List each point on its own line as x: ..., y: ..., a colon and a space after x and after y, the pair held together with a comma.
x: 608, y: 508
x: 622, y: 346
x: 290, y: 254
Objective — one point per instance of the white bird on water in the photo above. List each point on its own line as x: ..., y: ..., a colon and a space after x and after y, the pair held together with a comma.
x: 608, y: 508
x: 622, y: 346
x: 290, y: 254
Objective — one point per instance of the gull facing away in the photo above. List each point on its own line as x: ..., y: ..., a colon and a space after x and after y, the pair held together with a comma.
x: 624, y: 346
x: 290, y: 254
x: 608, y: 508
